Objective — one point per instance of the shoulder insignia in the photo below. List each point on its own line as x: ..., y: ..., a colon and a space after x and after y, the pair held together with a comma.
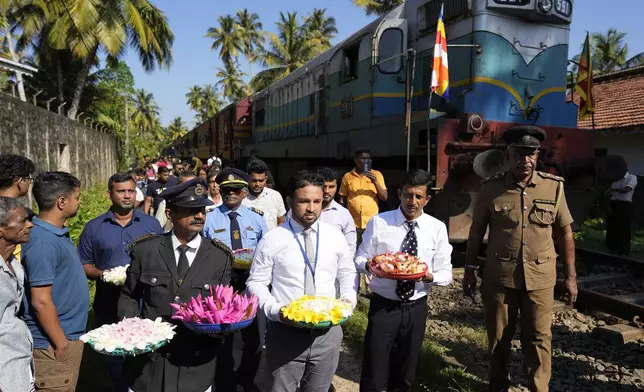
x: 223, y: 247
x: 257, y: 211
x: 550, y: 176
x: 495, y: 177
x: 143, y: 238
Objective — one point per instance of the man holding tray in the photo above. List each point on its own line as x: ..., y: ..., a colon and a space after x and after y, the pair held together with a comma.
x: 239, y: 227
x: 174, y: 267
x: 398, y: 308
x: 303, y: 256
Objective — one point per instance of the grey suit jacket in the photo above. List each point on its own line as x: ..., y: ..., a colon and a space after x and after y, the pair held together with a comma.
x: 187, y: 363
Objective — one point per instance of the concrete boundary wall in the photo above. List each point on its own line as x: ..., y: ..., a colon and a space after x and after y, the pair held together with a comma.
x: 55, y: 142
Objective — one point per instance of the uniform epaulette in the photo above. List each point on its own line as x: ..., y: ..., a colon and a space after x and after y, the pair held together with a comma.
x: 223, y: 247
x: 550, y: 176
x: 495, y: 177
x: 142, y: 238
x: 257, y: 211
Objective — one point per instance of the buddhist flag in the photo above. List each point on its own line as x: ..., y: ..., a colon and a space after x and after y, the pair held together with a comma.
x: 584, y: 83
x: 440, y: 74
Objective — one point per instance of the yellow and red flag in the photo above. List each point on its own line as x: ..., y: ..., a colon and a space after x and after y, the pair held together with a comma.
x: 440, y: 72
x: 584, y: 83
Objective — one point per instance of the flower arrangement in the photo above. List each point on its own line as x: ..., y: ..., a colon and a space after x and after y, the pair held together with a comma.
x: 116, y: 275
x: 243, y: 258
x: 317, y: 311
x: 130, y: 336
x: 398, y: 265
x: 223, y: 309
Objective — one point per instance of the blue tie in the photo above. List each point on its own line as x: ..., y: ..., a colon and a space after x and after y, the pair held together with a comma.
x: 235, y: 232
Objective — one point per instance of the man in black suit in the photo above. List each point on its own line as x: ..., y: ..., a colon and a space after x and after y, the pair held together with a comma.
x: 173, y: 267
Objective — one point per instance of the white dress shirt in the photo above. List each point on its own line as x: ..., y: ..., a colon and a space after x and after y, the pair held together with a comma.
x: 340, y: 217
x: 193, y: 247
x: 385, y: 233
x: 270, y: 202
x: 279, y: 262
x: 629, y: 180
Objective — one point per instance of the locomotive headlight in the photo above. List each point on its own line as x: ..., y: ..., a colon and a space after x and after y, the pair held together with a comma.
x: 544, y: 6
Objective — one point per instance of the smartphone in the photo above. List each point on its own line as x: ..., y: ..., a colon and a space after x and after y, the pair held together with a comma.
x: 367, y: 165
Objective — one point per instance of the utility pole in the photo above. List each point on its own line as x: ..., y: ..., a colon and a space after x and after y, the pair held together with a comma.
x: 127, y: 134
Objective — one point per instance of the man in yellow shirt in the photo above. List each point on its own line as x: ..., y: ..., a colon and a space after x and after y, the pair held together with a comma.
x: 361, y: 188
x: 15, y: 179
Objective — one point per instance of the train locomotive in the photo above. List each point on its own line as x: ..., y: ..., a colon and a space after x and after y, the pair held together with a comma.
x: 508, y: 63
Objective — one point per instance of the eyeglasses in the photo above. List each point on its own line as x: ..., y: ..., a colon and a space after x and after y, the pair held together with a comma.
x: 27, y: 178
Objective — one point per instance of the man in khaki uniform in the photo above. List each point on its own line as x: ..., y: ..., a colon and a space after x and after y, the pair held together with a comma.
x: 521, y: 208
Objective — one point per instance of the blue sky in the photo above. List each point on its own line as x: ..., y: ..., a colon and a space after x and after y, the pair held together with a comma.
x: 194, y: 62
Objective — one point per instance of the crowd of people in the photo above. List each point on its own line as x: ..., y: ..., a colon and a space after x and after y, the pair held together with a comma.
x: 176, y: 224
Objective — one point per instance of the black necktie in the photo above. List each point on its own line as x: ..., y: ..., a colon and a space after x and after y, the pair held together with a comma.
x: 183, y: 266
x: 235, y: 233
x: 405, y: 288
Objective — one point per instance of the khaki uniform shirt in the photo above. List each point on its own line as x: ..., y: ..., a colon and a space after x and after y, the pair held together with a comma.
x: 520, y: 252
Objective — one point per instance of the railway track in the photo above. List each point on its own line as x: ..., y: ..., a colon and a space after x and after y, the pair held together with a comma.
x: 609, y: 284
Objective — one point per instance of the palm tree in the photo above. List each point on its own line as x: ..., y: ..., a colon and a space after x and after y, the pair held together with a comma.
x: 86, y: 27
x: 610, y: 52
x: 377, y: 7
x: 231, y: 82
x: 251, y: 33
x: 176, y: 129
x: 321, y: 29
x: 212, y: 102
x: 195, y: 98
x: 227, y: 38
x: 6, y: 7
x: 288, y: 50
x: 146, y: 112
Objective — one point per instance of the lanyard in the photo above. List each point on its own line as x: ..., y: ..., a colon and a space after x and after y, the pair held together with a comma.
x: 317, y: 248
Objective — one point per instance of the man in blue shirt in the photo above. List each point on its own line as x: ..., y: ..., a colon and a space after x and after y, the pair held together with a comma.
x: 103, y: 246
x: 239, y: 227
x: 57, y: 297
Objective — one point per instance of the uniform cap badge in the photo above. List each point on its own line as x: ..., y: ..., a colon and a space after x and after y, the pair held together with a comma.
x: 199, y: 190
x: 231, y: 177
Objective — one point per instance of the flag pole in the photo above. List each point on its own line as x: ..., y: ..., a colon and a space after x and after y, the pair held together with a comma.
x: 429, y: 144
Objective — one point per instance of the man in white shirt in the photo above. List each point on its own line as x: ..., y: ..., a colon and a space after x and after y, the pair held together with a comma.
x: 304, y: 256
x: 333, y: 212
x: 618, y: 224
x: 263, y: 198
x: 398, y: 309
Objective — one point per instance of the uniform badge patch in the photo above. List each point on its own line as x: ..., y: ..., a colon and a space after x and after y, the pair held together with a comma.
x: 543, y: 201
x: 236, y: 234
x: 250, y: 228
x: 219, y: 230
x: 257, y: 211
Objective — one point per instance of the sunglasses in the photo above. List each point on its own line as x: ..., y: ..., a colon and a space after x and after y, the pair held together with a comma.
x: 227, y: 189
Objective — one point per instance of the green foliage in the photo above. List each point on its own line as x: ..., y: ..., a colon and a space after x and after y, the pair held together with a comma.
x: 377, y: 7
x: 94, y: 202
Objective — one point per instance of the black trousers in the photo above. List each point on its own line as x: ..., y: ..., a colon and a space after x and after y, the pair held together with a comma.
x: 392, y: 344
x: 618, y: 227
x: 242, y: 352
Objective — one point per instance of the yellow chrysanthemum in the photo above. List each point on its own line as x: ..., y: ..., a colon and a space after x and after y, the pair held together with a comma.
x: 316, y: 310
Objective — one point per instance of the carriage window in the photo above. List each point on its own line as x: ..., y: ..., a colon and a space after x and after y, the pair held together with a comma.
x: 390, y: 45
x: 351, y: 58
x: 259, y: 118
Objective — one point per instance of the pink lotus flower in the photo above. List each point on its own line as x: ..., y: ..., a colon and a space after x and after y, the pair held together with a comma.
x: 222, y: 306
